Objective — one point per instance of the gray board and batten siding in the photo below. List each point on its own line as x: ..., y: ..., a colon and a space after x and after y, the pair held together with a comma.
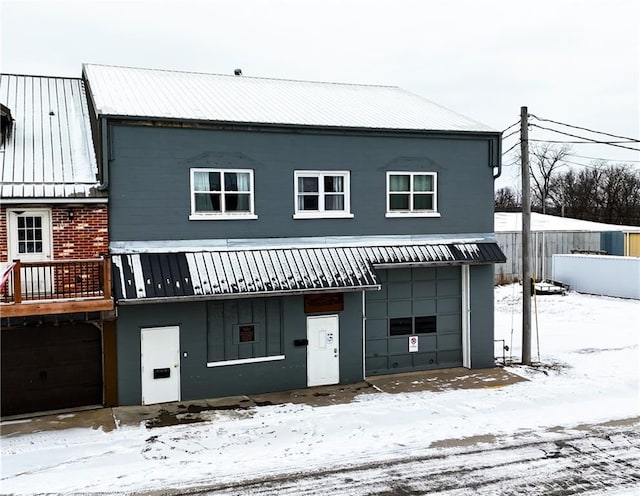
x: 149, y: 181
x: 203, y: 323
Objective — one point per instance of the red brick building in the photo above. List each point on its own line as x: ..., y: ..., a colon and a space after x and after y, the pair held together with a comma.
x: 56, y: 306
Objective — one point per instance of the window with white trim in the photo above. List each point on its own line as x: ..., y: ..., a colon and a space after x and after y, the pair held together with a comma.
x: 222, y: 194
x: 322, y: 194
x: 412, y: 194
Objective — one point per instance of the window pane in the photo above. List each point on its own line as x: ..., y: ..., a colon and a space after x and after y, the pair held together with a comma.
x: 236, y: 181
x: 425, y: 325
x: 29, y: 221
x: 334, y: 202
x: 399, y: 202
x: 423, y: 202
x: 22, y: 247
x: 207, y: 202
x: 38, y: 247
x: 30, y: 234
x: 236, y: 202
x: 333, y: 184
x: 206, y: 181
x: 308, y: 184
x: 21, y: 223
x: 400, y: 327
x: 398, y: 183
x: 423, y: 182
x: 37, y: 222
x: 308, y: 202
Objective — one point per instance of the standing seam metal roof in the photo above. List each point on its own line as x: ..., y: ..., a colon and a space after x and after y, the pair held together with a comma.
x: 152, y: 93
x: 140, y: 277
x: 49, y: 152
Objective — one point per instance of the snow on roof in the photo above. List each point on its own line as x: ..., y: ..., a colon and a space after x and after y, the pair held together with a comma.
x: 49, y: 150
x: 512, y: 222
x: 151, y: 93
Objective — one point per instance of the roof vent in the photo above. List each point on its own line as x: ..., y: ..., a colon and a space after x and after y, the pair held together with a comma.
x: 238, y: 72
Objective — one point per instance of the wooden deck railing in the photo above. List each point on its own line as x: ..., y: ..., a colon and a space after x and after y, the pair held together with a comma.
x: 57, y: 286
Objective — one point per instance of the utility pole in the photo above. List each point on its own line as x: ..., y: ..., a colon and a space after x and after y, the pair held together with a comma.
x: 526, y: 238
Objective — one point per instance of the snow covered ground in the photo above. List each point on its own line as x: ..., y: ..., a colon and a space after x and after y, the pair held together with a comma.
x: 589, y: 373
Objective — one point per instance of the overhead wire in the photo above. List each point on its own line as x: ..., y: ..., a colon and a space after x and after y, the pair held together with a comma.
x: 632, y: 140
x: 516, y: 144
x: 509, y: 127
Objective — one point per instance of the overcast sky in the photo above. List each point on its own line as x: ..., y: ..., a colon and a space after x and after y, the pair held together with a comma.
x: 576, y: 62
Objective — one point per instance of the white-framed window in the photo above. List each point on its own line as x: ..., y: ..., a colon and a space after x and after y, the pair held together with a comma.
x: 322, y: 194
x: 222, y: 194
x: 412, y: 194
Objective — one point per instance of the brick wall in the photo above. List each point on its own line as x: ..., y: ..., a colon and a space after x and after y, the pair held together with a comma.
x: 80, y: 236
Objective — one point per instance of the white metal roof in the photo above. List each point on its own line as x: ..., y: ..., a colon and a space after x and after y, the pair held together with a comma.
x: 134, y: 92
x: 49, y: 153
x: 512, y: 222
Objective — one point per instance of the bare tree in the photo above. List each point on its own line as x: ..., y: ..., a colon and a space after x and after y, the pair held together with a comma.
x: 506, y: 200
x: 545, y: 162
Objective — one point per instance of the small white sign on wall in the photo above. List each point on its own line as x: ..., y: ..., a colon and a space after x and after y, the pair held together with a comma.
x: 413, y: 344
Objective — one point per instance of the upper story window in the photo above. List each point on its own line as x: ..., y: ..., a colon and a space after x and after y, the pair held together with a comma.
x: 322, y: 194
x: 222, y: 194
x: 412, y: 194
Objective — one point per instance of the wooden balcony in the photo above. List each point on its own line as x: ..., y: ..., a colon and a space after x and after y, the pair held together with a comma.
x: 57, y: 287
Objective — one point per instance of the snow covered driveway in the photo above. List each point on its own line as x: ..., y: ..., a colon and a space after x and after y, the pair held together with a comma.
x: 600, y: 459
x: 589, y: 375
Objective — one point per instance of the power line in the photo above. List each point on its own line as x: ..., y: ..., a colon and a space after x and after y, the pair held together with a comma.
x: 510, y: 134
x: 604, y: 159
x: 633, y: 140
x: 506, y: 129
x: 518, y: 142
x: 586, y: 140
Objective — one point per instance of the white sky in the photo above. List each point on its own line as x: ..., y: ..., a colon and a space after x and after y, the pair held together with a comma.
x: 572, y: 61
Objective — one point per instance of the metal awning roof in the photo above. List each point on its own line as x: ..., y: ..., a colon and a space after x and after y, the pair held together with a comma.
x: 215, y: 274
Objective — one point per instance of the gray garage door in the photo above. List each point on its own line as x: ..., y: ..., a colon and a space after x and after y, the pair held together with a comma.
x: 422, y: 303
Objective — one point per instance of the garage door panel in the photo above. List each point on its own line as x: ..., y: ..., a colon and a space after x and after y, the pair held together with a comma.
x: 450, y: 272
x: 400, y: 362
x: 377, y: 310
x: 377, y: 348
x: 427, y: 342
x: 376, y: 328
x: 428, y: 359
x: 377, y: 295
x: 448, y: 305
x: 424, y: 274
x: 403, y: 275
x: 379, y: 365
x: 424, y: 307
x: 399, y: 291
x: 399, y: 345
x: 449, y: 342
x: 449, y: 323
x: 450, y: 358
x: 423, y: 289
x: 448, y: 287
x: 399, y: 308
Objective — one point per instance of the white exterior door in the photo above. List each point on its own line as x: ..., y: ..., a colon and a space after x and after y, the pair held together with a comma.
x: 30, y: 240
x: 323, y: 350
x: 160, y: 364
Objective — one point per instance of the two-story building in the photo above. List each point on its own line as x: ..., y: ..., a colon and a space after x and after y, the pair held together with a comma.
x: 273, y: 234
x: 57, y: 342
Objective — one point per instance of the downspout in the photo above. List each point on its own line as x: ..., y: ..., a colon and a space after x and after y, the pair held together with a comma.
x: 106, y: 154
x: 496, y: 159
